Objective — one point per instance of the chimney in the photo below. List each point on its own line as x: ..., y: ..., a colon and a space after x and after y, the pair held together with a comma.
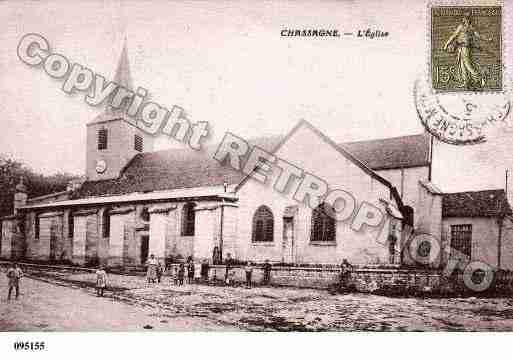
x: 20, y: 196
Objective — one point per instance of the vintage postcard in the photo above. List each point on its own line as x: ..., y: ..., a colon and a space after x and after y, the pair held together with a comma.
x: 208, y: 167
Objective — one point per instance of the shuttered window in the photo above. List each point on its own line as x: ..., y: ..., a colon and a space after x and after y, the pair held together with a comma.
x: 461, y: 240
x: 138, y: 143
x: 102, y: 138
x: 263, y: 225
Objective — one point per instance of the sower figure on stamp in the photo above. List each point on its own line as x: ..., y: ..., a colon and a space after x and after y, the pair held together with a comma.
x: 464, y: 40
x: 14, y: 275
x: 101, y: 281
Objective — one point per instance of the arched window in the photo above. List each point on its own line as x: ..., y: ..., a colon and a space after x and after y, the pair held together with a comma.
x: 106, y: 222
x: 263, y: 225
x: 188, y: 219
x: 323, y: 225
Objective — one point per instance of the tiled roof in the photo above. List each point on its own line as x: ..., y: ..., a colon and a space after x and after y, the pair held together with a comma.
x: 185, y: 168
x: 388, y: 153
x: 488, y: 203
x: 170, y: 169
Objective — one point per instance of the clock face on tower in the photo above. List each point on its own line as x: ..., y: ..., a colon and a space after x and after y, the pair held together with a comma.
x: 101, y: 166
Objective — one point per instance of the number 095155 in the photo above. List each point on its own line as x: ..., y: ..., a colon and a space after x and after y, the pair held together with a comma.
x: 32, y: 346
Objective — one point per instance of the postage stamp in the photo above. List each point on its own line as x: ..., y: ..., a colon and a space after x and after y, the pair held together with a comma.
x: 466, y: 48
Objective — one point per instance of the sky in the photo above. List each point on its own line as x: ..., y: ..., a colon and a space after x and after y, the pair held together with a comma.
x: 226, y: 63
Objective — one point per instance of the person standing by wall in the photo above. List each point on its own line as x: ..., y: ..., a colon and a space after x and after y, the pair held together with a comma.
x: 151, y: 273
x: 190, y: 270
x: 174, y: 271
x: 197, y: 272
x: 228, y: 263
x: 160, y: 271
x: 181, y: 273
x: 345, y: 274
x: 14, y: 275
x: 249, y: 271
x: 267, y: 272
x: 101, y: 281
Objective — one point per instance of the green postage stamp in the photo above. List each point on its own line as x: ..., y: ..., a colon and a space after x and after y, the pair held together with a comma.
x: 466, y: 48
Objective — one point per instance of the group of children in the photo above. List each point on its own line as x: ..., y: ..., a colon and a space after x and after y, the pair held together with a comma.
x: 196, y: 273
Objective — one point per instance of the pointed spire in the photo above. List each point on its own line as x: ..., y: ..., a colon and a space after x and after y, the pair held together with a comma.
x: 123, y: 76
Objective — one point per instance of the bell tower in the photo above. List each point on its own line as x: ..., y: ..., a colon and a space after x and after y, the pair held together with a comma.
x: 113, y: 138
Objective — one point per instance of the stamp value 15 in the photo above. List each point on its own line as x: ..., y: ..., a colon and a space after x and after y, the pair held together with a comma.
x: 466, y: 48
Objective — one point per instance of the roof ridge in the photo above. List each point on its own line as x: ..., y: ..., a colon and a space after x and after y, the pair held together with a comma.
x: 384, y: 138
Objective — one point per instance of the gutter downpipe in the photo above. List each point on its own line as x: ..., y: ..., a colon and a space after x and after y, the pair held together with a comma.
x: 221, y: 227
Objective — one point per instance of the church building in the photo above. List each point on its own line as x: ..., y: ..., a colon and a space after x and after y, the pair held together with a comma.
x: 182, y: 203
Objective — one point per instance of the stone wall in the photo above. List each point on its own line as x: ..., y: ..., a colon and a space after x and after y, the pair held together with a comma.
x: 364, y: 279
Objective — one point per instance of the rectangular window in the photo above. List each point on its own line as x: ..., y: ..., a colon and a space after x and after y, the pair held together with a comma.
x: 138, y: 143
x: 36, y: 227
x: 461, y: 240
x: 106, y: 223
x: 71, y: 225
x: 102, y: 138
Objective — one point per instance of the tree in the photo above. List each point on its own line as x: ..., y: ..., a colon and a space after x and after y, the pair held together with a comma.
x: 37, y: 184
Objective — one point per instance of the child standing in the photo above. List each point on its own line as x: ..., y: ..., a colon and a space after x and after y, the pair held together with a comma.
x: 230, y: 278
x: 101, y: 281
x: 160, y: 271
x: 190, y: 271
x: 14, y: 274
x: 181, y: 274
x: 197, y: 272
x: 175, y: 275
x: 249, y: 271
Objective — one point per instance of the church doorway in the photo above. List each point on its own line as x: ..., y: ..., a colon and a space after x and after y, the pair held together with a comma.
x: 288, y: 234
x: 145, y: 246
x: 288, y: 240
